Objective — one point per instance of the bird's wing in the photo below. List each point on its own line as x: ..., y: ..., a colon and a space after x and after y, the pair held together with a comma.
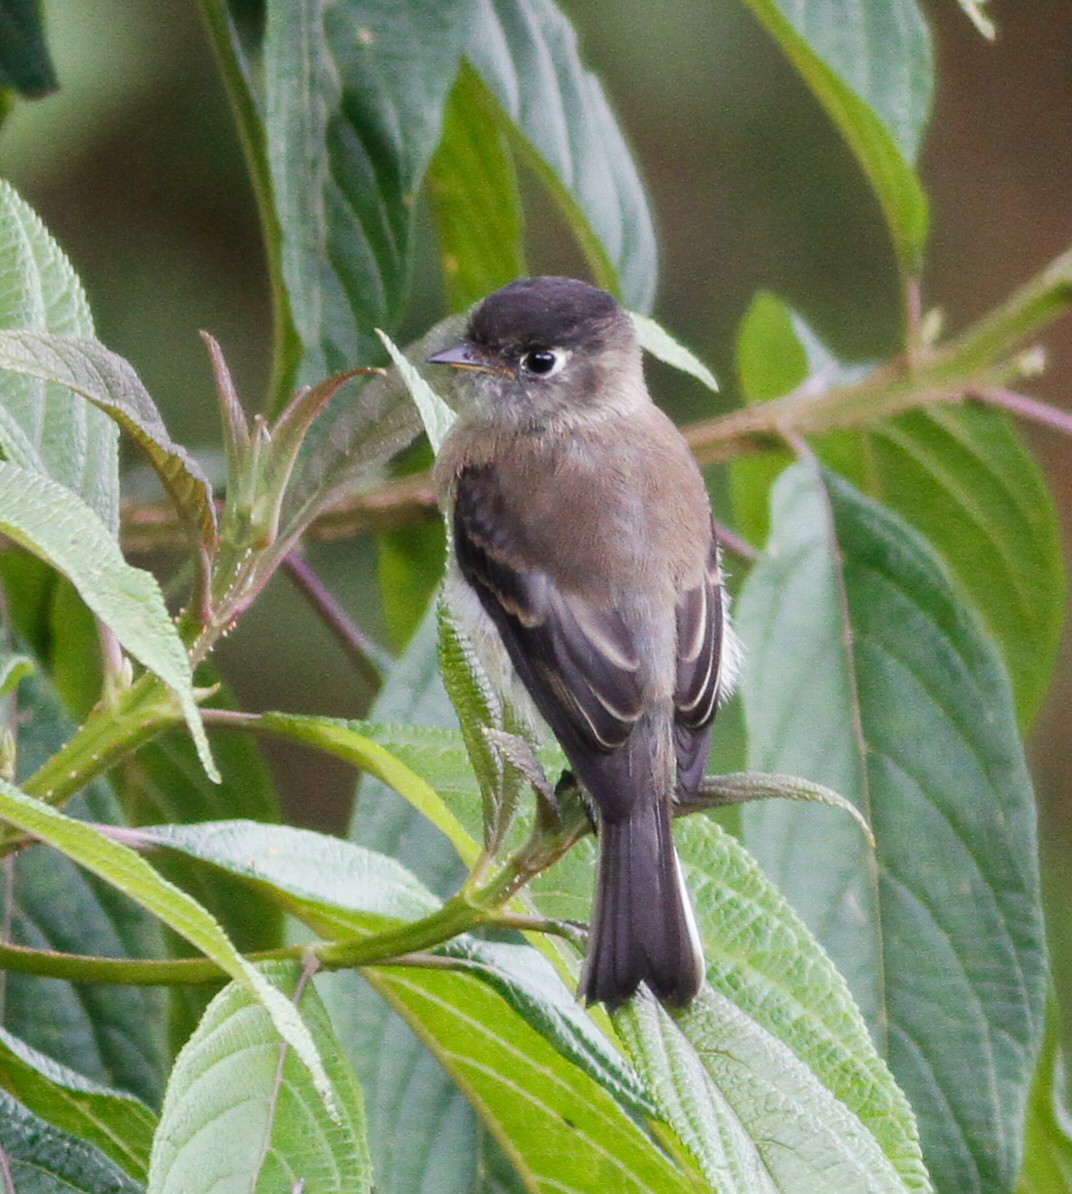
x: 701, y: 622
x: 578, y: 660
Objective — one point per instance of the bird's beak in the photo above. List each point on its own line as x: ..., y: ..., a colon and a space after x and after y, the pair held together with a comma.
x: 461, y: 356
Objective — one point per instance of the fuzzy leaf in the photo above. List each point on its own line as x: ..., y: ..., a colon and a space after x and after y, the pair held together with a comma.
x: 91, y: 371
x: 42, y: 427
x: 120, y: 1125
x: 41, y: 1159
x: 241, y: 1115
x: 56, y: 525
x: 120, y: 866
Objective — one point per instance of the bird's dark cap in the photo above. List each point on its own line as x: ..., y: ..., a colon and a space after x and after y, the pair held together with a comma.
x: 545, y: 312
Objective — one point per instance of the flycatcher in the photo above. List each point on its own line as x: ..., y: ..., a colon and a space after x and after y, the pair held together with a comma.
x: 586, y: 572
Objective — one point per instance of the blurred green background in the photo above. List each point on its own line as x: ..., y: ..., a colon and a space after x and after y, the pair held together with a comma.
x: 135, y: 168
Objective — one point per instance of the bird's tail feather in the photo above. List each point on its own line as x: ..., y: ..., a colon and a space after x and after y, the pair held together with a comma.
x: 643, y: 929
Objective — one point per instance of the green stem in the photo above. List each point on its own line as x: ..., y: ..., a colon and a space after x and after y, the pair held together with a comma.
x: 136, y: 972
x: 978, y: 359
x: 458, y: 915
x: 286, y: 345
x: 107, y: 735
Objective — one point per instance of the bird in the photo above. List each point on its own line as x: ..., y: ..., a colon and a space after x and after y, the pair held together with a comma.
x: 585, y: 569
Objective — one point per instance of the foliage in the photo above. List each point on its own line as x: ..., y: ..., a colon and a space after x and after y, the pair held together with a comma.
x: 875, y: 1010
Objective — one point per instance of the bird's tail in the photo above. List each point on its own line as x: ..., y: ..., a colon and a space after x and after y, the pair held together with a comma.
x: 643, y: 929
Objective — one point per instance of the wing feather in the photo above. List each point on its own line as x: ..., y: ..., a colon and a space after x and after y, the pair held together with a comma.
x: 578, y: 661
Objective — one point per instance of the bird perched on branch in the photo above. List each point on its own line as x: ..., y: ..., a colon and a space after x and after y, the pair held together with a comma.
x: 585, y: 570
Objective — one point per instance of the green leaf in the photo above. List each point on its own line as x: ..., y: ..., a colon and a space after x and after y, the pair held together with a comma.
x: 343, y: 890
x: 741, y: 787
x: 349, y: 741
x: 41, y: 1159
x: 763, y: 959
x: 120, y: 1125
x: 888, y: 691
x: 559, y: 117
x: 409, y: 1096
x: 338, y: 888
x: 560, y: 1129
x: 479, y: 709
x: 164, y: 781
x: 349, y: 444
x: 1048, y: 1131
x: 353, y: 100
x: 42, y: 427
x: 56, y: 525
x: 104, y: 379
x: 13, y: 670
x: 964, y: 478
x: 752, y: 1114
x: 436, y: 415
x: 25, y: 63
x: 528, y: 982
x: 406, y: 1088
x: 476, y: 204
x: 241, y: 1115
x: 654, y: 338
x: 112, y: 1034
x: 120, y: 866
x: 870, y: 65
x: 959, y: 474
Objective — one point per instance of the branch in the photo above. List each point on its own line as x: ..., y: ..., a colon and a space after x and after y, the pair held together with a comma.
x: 369, y: 658
x: 977, y: 361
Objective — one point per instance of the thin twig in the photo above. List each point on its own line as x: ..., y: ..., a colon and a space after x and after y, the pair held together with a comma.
x: 734, y: 544
x: 1026, y: 408
x: 366, y: 655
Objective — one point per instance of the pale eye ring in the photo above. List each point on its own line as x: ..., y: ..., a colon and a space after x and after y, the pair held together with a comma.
x: 543, y: 362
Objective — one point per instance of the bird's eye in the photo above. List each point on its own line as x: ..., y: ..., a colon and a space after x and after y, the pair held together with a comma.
x: 542, y: 362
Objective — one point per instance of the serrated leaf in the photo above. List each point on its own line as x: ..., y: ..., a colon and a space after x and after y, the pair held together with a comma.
x: 530, y: 985
x: 869, y: 63
x: 42, y: 427
x: 121, y: 866
x: 120, y: 1125
x: 104, y: 379
x: 41, y: 1159
x: 527, y: 55
x: 753, y: 1115
x: 56, y: 525
x: 476, y: 204
x: 889, y: 692
x: 762, y: 958
x: 502, y: 784
x: 241, y: 1115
